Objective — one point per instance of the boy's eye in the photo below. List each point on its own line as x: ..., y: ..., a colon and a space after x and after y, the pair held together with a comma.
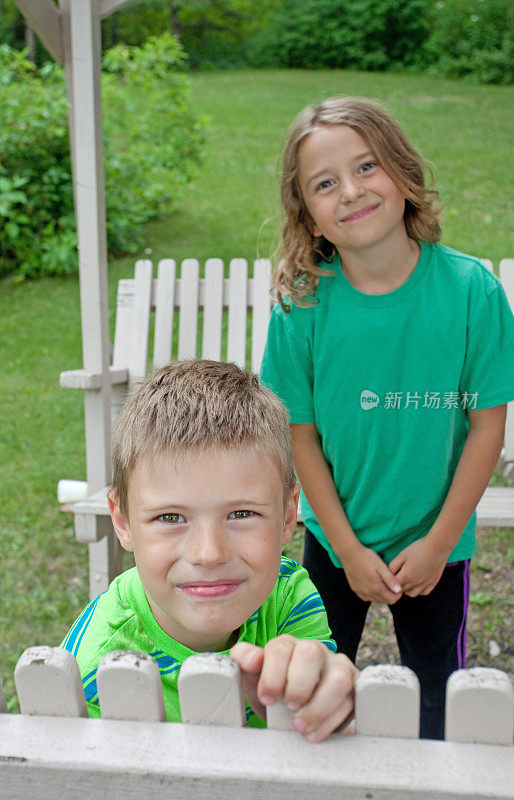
x: 243, y: 514
x: 367, y: 166
x: 171, y: 519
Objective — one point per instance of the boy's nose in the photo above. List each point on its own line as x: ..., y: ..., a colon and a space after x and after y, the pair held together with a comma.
x: 209, y: 546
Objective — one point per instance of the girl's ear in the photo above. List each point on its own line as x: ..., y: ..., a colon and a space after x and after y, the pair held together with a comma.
x: 290, y: 515
x: 119, y: 521
x: 311, y: 225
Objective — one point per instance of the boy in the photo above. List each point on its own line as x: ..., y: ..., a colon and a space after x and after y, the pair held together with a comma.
x: 204, y: 494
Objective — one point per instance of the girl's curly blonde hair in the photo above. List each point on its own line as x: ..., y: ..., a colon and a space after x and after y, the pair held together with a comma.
x: 297, y: 271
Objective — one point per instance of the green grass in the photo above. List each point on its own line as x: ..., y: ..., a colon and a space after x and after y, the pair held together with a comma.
x: 230, y: 210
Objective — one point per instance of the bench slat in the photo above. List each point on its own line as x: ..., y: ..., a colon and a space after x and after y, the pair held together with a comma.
x: 188, y: 323
x: 164, y: 306
x: 213, y: 310
x: 261, y: 309
x: 140, y: 321
x: 236, y: 344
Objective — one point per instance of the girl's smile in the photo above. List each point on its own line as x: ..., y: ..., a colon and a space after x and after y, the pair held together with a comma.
x: 360, y: 214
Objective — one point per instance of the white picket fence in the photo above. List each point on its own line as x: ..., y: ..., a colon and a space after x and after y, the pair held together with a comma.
x: 53, y: 750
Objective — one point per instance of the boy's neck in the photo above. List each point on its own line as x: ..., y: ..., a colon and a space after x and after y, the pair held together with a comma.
x: 194, y: 641
x: 383, y: 266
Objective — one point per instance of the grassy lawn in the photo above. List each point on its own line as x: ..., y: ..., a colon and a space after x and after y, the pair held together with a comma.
x: 230, y: 210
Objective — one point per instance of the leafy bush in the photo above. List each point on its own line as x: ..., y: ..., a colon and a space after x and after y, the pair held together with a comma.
x: 363, y: 34
x: 152, y: 141
x: 473, y: 39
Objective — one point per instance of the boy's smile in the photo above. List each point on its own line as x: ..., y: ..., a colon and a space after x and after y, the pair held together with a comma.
x: 207, y: 531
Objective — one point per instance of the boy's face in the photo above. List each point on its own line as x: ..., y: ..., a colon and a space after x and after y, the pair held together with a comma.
x: 207, y: 532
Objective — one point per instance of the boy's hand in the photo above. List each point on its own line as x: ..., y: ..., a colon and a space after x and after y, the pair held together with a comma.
x: 315, y: 683
x: 370, y: 578
x: 419, y: 567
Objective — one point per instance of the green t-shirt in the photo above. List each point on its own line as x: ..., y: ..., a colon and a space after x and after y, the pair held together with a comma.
x: 121, y: 619
x: 388, y: 379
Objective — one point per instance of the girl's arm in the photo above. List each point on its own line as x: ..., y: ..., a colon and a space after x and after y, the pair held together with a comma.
x: 419, y: 567
x: 367, y: 574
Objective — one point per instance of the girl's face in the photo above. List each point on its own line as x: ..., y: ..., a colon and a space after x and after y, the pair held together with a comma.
x: 353, y: 202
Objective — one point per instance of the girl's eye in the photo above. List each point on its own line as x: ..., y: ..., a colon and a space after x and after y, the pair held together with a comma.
x: 240, y: 514
x: 324, y: 184
x: 367, y: 166
x: 171, y: 519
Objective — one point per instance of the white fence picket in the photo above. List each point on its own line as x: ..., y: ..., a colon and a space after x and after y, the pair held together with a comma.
x: 387, y: 702
x: 188, y: 323
x: 236, y: 344
x: 129, y: 687
x: 209, y: 688
x: 141, y: 320
x: 480, y: 707
x: 48, y: 682
x: 164, y: 308
x: 212, y: 309
x: 261, y: 309
x: 278, y: 717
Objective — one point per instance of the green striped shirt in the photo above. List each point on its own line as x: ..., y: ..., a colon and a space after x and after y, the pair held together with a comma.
x: 121, y: 619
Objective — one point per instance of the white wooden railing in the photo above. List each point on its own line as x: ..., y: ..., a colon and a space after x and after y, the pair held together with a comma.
x: 53, y: 750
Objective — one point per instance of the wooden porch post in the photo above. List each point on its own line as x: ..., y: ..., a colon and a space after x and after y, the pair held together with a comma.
x: 82, y: 56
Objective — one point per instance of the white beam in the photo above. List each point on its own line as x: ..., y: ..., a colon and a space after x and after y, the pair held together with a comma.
x: 107, y: 7
x: 44, y: 18
x: 81, y: 27
x: 81, y: 40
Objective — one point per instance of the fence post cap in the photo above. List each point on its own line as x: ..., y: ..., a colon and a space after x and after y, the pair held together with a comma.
x: 129, y: 687
x: 209, y: 688
x: 387, y: 674
x: 48, y: 682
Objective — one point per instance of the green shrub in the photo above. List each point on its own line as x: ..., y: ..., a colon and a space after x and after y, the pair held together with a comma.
x: 152, y: 141
x: 472, y: 39
x: 361, y: 34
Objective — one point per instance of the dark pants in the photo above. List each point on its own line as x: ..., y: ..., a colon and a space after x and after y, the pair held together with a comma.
x: 430, y: 630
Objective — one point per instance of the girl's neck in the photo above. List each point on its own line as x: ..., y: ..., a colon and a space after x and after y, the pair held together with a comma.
x: 381, y: 267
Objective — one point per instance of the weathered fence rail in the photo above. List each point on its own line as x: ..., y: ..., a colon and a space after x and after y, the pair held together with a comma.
x: 52, y: 750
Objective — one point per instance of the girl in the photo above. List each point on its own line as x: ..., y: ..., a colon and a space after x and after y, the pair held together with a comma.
x: 395, y: 358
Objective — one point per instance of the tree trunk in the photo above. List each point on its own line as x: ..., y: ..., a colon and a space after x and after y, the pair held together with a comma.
x: 30, y: 42
x: 174, y: 20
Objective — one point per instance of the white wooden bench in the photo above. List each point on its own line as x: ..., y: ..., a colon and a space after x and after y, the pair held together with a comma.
x: 53, y: 750
x: 200, y: 304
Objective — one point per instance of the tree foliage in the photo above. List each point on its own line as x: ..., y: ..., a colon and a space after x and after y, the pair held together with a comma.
x: 362, y: 34
x: 152, y: 141
x: 212, y: 32
x: 455, y: 38
x: 473, y: 39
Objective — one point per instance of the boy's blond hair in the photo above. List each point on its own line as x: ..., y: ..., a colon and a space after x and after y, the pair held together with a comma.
x: 189, y: 406
x: 297, y: 272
